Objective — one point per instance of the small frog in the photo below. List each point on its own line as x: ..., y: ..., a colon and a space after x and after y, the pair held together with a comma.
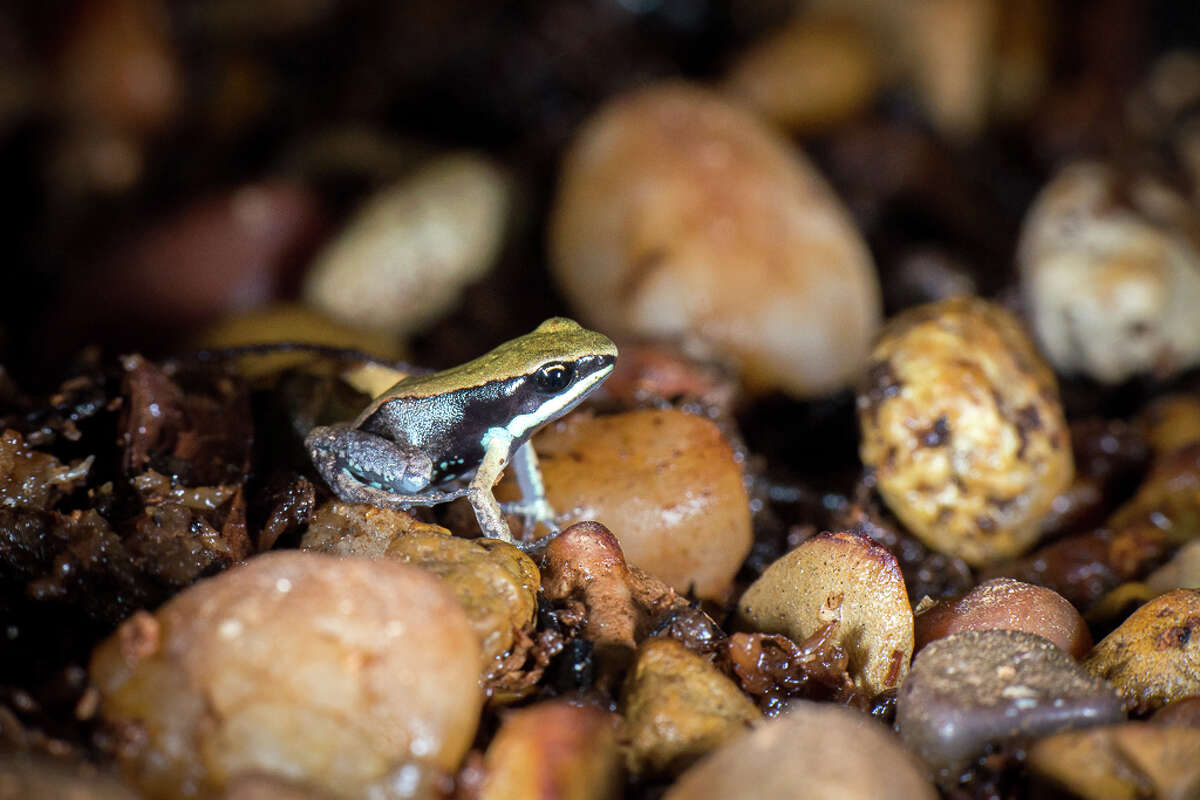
x: 418, y: 442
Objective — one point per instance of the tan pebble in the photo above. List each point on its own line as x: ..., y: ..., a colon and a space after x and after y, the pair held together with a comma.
x: 358, y: 529
x: 962, y: 425
x: 554, y: 750
x: 681, y: 215
x: 1110, y: 270
x: 665, y: 482
x: 495, y: 582
x: 677, y: 707
x: 807, y: 76
x: 815, y: 751
x: 407, y: 253
x: 360, y: 668
x: 839, y: 576
x: 1153, y: 657
x: 1129, y: 761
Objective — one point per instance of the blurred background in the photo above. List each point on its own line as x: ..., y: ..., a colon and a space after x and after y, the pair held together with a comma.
x: 168, y: 163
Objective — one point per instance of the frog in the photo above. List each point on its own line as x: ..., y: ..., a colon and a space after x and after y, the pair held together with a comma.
x: 437, y: 437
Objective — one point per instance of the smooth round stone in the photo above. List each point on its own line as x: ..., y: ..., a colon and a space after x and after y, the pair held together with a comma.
x: 677, y: 707
x: 1153, y: 657
x: 1129, y: 761
x: 961, y: 423
x: 841, y: 576
x: 1007, y: 604
x: 681, y: 215
x: 405, y: 256
x: 816, y: 751
x: 979, y: 688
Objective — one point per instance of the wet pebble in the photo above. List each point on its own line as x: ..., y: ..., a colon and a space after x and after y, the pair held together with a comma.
x: 677, y: 707
x: 1007, y: 604
x: 332, y: 671
x: 816, y: 751
x: 552, y: 750
x: 1130, y: 761
x: 1111, y: 272
x: 1153, y: 657
x: 406, y: 254
x: 962, y: 425
x: 977, y: 689
x: 809, y: 75
x: 665, y: 482
x: 848, y: 578
x: 682, y: 215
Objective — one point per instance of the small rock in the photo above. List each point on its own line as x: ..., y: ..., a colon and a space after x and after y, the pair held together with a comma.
x: 331, y: 671
x: 665, y: 482
x: 816, y: 751
x: 25, y: 775
x: 808, y: 75
x: 677, y: 707
x: 681, y: 215
x: 118, y: 66
x: 1171, y: 422
x: 495, y: 582
x: 976, y: 689
x: 1153, y: 657
x: 1185, y: 712
x: 554, y: 750
x: 1111, y: 272
x: 962, y: 425
x: 1181, y: 572
x: 845, y: 577
x: 1007, y: 604
x: 585, y: 564
x: 405, y: 256
x: 1130, y: 761
x: 357, y: 529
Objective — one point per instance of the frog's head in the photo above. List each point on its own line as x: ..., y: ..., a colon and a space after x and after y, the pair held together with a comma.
x: 554, y: 368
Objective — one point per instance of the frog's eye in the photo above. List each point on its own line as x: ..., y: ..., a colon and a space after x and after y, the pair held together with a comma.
x: 554, y: 377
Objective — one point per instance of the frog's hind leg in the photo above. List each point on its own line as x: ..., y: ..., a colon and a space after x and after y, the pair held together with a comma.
x: 533, y: 507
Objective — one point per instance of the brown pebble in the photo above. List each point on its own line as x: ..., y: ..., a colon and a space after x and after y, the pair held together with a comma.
x: 1180, y: 712
x: 1130, y: 761
x: 816, y: 751
x: 677, y: 707
x: 1007, y: 604
x: 980, y: 688
x: 1153, y: 657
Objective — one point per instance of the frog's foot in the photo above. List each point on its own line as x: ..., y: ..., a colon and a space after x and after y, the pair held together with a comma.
x: 532, y: 513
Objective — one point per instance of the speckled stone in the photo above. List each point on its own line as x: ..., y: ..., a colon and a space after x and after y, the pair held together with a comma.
x: 977, y: 688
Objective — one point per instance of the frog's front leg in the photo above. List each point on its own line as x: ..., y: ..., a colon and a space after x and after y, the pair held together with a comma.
x: 362, y: 467
x: 487, y: 511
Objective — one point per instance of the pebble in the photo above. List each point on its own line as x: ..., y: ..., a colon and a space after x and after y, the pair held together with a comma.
x: 665, y: 482
x: 1111, y: 273
x: 963, y: 428
x: 678, y: 707
x: 331, y: 671
x: 405, y: 256
x: 815, y: 751
x: 809, y: 75
x: 554, y: 749
x: 839, y: 576
x: 980, y: 688
x: 1153, y: 657
x: 1007, y: 604
x: 680, y: 215
x: 1129, y: 761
